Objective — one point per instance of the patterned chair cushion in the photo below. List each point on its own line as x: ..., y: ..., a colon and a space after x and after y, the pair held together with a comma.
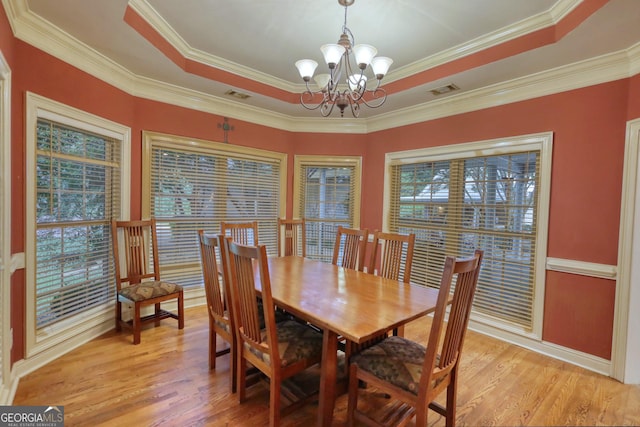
x: 395, y: 360
x: 148, y: 290
x: 224, y: 325
x: 295, y: 342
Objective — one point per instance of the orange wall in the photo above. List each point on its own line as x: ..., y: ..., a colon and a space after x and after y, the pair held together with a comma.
x: 589, y: 132
x: 588, y: 148
x: 634, y: 98
x: 588, y: 125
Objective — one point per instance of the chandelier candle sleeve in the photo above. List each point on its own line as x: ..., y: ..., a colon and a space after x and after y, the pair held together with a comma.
x: 345, y: 84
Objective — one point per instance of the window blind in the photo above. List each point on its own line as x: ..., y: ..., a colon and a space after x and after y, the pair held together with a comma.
x: 327, y: 200
x: 198, y: 189
x: 77, y: 194
x: 457, y: 205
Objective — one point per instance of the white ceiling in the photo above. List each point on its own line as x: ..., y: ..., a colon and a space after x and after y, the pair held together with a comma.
x: 261, y: 40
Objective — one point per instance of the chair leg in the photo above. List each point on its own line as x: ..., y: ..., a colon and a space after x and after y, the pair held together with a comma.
x: 180, y: 311
x: 451, y: 399
x: 421, y: 416
x: 136, y: 323
x: 118, y: 315
x: 157, y: 312
x: 274, y: 402
x: 352, y: 403
x: 234, y: 366
x: 212, y: 345
x: 241, y: 383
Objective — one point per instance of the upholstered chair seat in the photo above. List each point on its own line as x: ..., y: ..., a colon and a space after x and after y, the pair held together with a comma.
x: 395, y: 360
x: 147, y: 290
x: 295, y: 342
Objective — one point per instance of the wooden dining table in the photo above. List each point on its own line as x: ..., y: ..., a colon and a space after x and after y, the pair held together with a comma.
x: 354, y: 305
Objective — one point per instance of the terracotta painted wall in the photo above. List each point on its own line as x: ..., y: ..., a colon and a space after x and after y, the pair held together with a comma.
x: 588, y: 125
x: 40, y: 73
x: 589, y: 132
x: 634, y: 98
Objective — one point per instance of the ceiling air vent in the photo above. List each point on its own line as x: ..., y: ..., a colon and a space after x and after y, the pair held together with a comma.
x: 444, y: 89
x: 237, y: 94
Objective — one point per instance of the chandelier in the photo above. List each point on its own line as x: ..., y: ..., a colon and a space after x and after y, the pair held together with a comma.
x: 352, y: 90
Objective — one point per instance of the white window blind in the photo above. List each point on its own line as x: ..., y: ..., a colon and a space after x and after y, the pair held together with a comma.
x: 456, y: 205
x: 77, y: 194
x: 328, y: 196
x: 198, y: 188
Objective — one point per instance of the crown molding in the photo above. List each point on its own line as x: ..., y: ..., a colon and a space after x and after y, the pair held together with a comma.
x: 162, y: 27
x: 43, y: 35
x: 633, y: 53
x: 510, y: 32
x: 585, y: 73
x: 486, y: 41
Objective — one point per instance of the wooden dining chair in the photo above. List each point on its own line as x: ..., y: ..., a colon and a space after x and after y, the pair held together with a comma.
x: 292, y: 239
x: 279, y: 350
x: 352, y: 243
x: 139, y: 284
x: 245, y: 233
x: 412, y: 374
x: 217, y: 294
x: 392, y: 249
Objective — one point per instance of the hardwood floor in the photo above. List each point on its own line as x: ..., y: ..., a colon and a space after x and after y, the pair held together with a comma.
x: 165, y: 381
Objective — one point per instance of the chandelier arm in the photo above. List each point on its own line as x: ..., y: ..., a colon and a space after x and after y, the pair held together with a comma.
x: 377, y: 100
x: 355, y: 108
x: 309, y: 94
x: 327, y: 108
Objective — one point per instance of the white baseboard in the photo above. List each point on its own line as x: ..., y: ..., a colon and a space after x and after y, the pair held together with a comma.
x: 584, y: 360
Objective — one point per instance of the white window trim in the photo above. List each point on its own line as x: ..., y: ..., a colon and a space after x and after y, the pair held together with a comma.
x: 59, y: 338
x: 5, y: 223
x: 626, y: 342
x: 542, y: 142
x: 328, y: 161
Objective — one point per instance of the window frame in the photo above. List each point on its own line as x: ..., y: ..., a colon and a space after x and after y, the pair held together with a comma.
x: 98, y: 319
x: 301, y: 161
x: 542, y: 142
x: 151, y: 140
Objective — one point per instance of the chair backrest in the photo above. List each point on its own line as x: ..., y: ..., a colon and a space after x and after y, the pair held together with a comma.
x: 137, y: 242
x: 213, y: 291
x: 391, y: 247
x: 245, y: 233
x: 292, y: 240
x: 440, y: 362
x: 245, y: 304
x: 353, y: 248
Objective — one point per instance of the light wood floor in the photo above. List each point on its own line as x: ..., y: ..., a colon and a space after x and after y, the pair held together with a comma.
x: 165, y: 381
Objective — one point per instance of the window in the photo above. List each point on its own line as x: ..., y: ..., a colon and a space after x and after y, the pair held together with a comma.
x: 326, y: 194
x: 198, y: 184
x: 74, y: 184
x: 484, y: 195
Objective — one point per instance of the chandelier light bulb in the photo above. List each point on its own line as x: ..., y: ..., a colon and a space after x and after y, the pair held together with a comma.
x: 380, y: 66
x: 322, y: 81
x: 306, y: 68
x: 332, y: 53
x: 364, y: 53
